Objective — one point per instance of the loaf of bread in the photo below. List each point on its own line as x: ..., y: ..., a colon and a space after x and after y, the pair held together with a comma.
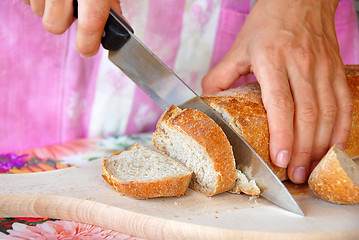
x: 336, y: 178
x: 194, y: 139
x: 243, y: 109
x: 141, y: 172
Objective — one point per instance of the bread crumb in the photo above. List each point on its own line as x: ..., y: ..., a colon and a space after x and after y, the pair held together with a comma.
x: 253, y: 198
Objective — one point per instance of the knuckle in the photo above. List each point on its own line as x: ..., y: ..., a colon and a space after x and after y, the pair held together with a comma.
x: 242, y: 63
x: 38, y: 11
x: 340, y: 136
x: 309, y: 114
x: 347, y: 106
x: 91, y: 26
x: 304, y: 155
x: 272, y: 53
x: 281, y: 101
x: 95, y: 23
x: 345, y: 132
x: 301, y: 51
x: 304, y: 56
x: 270, y: 50
x: 329, y: 112
x: 322, y: 149
x: 54, y: 28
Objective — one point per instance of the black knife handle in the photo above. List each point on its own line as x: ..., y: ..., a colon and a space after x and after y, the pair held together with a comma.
x: 114, y: 35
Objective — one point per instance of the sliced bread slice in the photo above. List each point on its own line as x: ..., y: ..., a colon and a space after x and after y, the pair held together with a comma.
x: 194, y: 139
x: 336, y: 178
x: 141, y: 172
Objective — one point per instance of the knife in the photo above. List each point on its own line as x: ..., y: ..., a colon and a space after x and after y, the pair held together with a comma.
x: 128, y: 53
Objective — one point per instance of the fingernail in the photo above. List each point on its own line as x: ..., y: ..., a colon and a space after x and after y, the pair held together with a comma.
x: 300, y: 174
x: 283, y: 159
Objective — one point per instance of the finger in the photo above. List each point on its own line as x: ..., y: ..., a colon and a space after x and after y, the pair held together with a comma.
x: 58, y: 16
x: 313, y: 164
x: 327, y: 112
x: 92, y: 17
x: 116, y: 6
x: 278, y: 102
x: 224, y: 74
x: 345, y: 106
x: 38, y: 7
x: 305, y: 122
x: 26, y: 2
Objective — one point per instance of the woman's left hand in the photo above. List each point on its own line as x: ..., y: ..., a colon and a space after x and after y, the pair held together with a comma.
x: 292, y: 49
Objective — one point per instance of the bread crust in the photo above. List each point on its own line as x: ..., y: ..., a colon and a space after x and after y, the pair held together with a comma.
x: 352, y: 146
x: 249, y: 118
x: 208, y: 135
x: 330, y: 182
x: 166, y: 187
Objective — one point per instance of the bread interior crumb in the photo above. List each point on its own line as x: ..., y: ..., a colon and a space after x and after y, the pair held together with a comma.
x: 348, y: 165
x: 186, y: 150
x: 144, y: 164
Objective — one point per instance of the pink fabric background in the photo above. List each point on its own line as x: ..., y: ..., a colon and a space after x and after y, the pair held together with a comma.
x: 347, y: 31
x: 164, y: 19
x: 41, y: 75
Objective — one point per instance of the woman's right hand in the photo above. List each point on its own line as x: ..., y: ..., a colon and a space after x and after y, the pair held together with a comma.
x: 57, y: 17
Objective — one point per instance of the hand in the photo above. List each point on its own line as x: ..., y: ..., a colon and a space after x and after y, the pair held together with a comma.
x: 291, y: 48
x: 57, y: 17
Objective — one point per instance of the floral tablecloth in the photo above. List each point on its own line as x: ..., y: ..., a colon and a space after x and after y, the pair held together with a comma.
x: 73, y: 153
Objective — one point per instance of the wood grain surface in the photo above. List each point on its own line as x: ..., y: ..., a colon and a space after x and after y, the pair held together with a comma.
x: 80, y: 194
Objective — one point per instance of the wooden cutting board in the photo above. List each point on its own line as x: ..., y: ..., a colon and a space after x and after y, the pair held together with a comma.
x: 80, y: 194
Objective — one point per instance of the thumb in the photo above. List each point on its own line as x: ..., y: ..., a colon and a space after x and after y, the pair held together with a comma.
x: 224, y: 75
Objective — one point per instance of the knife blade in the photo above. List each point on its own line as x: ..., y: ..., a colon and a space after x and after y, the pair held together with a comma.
x: 143, y: 67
